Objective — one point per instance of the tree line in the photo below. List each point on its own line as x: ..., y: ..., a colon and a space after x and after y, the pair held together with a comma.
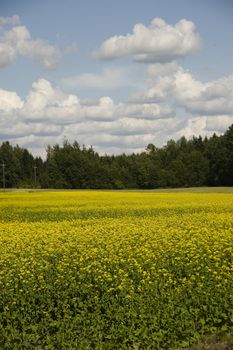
x: 182, y: 163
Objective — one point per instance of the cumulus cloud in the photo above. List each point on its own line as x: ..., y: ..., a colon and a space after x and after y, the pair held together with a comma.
x: 49, y: 114
x: 17, y: 41
x: 9, y: 101
x: 170, y: 82
x: 159, y: 42
x: 46, y: 102
x: 211, y: 98
x: 215, y: 98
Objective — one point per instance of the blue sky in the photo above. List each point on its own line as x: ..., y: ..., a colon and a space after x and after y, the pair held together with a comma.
x: 78, y: 70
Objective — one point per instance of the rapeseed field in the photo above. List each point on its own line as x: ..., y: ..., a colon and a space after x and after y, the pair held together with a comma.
x: 114, y: 270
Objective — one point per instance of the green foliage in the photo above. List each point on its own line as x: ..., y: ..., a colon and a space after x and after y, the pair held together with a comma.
x: 19, y: 167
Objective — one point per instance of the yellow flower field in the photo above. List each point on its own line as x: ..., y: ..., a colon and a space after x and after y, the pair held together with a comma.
x: 114, y: 270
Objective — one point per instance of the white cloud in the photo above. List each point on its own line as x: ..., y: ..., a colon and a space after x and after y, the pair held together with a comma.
x: 9, y: 101
x: 185, y: 87
x: 169, y: 80
x: 46, y: 103
x: 218, y: 123
x: 192, y: 126
x: 48, y: 114
x: 156, y: 93
x: 109, y: 78
x: 172, y: 84
x: 17, y: 41
x: 215, y: 98
x: 138, y: 141
x: 120, y: 127
x: 149, y: 111
x: 160, y: 42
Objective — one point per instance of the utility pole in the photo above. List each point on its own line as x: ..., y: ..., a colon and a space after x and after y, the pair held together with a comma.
x: 3, y: 176
x: 35, y: 167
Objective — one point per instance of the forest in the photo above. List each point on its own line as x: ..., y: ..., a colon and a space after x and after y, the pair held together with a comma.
x: 182, y: 163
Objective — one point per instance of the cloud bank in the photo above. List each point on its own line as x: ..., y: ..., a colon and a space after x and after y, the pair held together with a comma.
x: 48, y: 115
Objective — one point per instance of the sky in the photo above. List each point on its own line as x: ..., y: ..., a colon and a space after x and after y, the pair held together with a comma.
x: 114, y: 74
